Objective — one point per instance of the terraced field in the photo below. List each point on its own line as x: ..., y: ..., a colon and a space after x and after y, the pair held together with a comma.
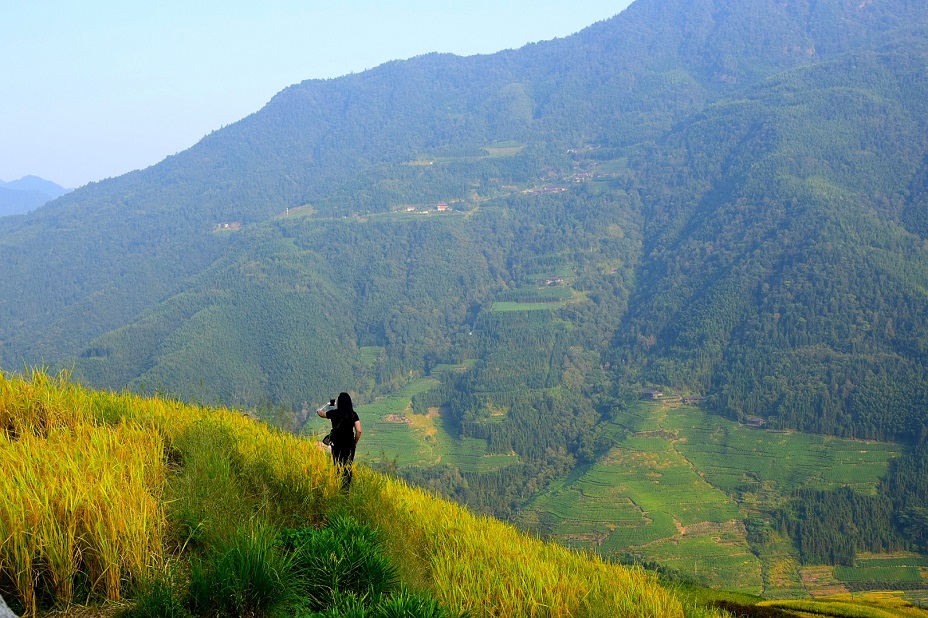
x: 647, y: 499
x: 733, y: 455
x: 680, y: 482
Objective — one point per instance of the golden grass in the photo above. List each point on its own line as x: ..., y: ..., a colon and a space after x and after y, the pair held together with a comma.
x: 866, y: 605
x: 85, y: 495
x: 75, y: 496
x: 489, y: 568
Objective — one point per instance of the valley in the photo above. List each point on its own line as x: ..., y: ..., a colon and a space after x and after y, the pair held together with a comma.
x: 684, y: 490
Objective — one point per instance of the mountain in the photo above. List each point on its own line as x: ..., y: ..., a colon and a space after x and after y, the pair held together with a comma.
x: 258, y: 522
x: 34, y: 183
x: 27, y: 194
x: 637, y: 81
x: 703, y: 197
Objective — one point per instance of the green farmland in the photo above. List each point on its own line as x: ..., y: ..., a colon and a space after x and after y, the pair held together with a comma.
x: 505, y: 306
x: 734, y: 456
x: 678, y: 485
x: 393, y: 433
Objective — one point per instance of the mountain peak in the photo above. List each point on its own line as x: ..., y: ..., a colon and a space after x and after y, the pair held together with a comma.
x: 27, y: 194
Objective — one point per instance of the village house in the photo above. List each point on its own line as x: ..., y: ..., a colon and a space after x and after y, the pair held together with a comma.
x: 235, y: 225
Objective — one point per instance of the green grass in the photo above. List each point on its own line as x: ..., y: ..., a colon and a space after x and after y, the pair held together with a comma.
x: 541, y: 293
x: 893, y: 571
x: 913, y: 560
x: 503, y: 151
x: 643, y: 416
x: 723, y: 560
x: 909, y: 574
x: 645, y: 498
x: 551, y: 271
x: 658, y: 526
x: 370, y: 354
x: 443, y: 367
x: 507, y: 306
x: 614, y: 166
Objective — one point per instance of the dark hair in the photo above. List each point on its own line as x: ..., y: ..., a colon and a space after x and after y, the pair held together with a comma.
x: 344, y: 403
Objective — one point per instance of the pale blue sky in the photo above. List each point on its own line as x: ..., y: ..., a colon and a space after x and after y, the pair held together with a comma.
x: 91, y: 89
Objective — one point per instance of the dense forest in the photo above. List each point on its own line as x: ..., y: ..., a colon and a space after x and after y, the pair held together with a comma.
x: 719, y: 198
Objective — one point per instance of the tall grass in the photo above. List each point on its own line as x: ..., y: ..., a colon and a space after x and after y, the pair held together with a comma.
x: 245, y: 576
x: 76, y: 498
x: 483, y: 566
x: 86, y: 499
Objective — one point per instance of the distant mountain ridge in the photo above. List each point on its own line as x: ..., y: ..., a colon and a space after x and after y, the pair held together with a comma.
x: 27, y: 194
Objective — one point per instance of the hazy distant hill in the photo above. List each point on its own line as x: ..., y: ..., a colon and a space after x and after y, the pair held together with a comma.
x: 27, y: 194
x: 712, y: 197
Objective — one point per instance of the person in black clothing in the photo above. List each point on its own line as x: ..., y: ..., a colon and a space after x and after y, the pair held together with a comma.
x: 346, y: 432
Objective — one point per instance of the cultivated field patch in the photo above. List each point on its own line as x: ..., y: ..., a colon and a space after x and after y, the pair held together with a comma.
x: 393, y: 433
x: 733, y: 456
x: 645, y: 499
x: 680, y: 482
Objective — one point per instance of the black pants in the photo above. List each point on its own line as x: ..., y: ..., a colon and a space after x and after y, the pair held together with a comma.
x: 343, y: 455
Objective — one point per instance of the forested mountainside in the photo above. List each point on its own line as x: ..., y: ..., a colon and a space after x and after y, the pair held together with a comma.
x: 716, y: 197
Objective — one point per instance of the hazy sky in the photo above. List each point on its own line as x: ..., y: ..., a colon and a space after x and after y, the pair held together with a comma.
x: 96, y: 88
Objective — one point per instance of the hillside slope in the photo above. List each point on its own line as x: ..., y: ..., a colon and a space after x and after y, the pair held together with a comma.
x: 109, y: 512
x: 713, y: 197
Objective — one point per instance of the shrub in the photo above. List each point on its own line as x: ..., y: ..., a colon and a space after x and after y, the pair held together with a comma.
x: 246, y: 576
x: 156, y: 599
x: 336, y: 562
x: 406, y: 604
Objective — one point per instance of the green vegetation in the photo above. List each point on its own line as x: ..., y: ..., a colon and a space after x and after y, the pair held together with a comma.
x: 504, y: 306
x: 738, y: 457
x: 701, y: 495
x: 709, y: 197
x: 879, y: 574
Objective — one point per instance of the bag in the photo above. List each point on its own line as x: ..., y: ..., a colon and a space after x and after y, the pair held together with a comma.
x: 327, y: 440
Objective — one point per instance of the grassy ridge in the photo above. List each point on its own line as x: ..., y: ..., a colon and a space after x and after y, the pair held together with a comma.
x: 83, y: 499
x: 467, y: 562
x: 868, y: 606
